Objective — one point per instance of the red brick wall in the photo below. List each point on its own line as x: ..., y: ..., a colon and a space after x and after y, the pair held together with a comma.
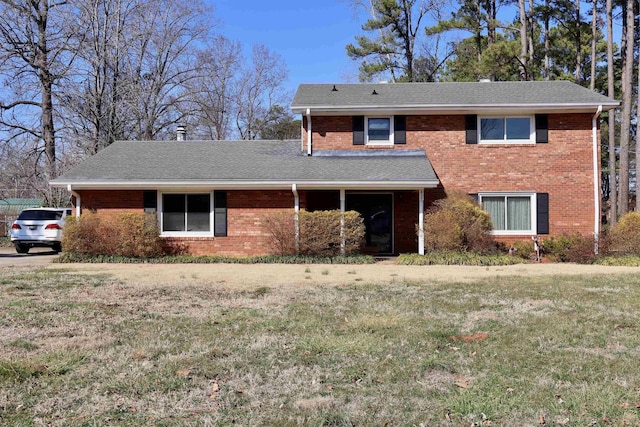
x: 107, y: 201
x: 245, y: 211
x: 562, y: 168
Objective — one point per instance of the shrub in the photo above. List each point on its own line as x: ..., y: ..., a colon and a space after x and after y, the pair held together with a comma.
x: 124, y: 234
x: 457, y: 258
x: 457, y: 223
x: 624, y: 237
x: 319, y: 232
x: 523, y: 249
x: 570, y: 248
x: 280, y: 226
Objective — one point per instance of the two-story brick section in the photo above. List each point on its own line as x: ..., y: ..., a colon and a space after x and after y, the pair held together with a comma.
x: 527, y: 151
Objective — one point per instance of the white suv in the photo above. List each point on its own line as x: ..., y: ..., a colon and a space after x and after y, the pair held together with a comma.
x: 39, y: 227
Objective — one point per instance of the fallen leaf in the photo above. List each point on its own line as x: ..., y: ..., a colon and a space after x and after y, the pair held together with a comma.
x: 509, y: 390
x: 215, y: 387
x: 541, y: 420
x: 213, y: 396
x: 637, y: 405
x: 461, y: 381
x: 447, y: 416
x: 183, y: 372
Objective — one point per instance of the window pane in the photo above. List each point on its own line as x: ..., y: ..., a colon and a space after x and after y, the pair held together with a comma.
x: 518, y: 213
x: 379, y: 129
x: 495, y: 206
x: 492, y: 129
x: 173, y: 212
x: 198, y: 208
x: 518, y: 128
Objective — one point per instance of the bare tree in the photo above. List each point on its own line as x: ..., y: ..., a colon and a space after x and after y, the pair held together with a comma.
x: 259, y: 88
x: 214, y: 90
x: 160, y: 63
x: 36, y: 50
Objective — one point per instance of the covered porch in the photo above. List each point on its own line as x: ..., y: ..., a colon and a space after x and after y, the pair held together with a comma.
x: 393, y: 218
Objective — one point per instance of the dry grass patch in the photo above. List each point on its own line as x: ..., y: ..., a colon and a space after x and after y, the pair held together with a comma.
x: 81, y: 349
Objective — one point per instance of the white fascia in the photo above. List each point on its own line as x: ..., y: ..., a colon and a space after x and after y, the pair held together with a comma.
x: 460, y: 108
x: 247, y: 185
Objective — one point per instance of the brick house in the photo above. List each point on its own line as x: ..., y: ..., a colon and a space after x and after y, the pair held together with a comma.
x: 528, y: 151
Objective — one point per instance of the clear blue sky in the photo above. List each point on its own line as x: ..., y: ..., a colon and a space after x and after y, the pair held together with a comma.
x: 310, y: 35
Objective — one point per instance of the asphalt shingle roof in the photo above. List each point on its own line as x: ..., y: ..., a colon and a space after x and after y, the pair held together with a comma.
x: 452, y: 94
x: 239, y: 161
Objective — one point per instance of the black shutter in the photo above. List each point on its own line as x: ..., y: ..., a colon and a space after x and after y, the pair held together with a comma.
x: 542, y: 128
x: 220, y: 213
x: 543, y: 213
x: 471, y: 126
x: 358, y: 130
x: 400, y: 130
x: 150, y: 202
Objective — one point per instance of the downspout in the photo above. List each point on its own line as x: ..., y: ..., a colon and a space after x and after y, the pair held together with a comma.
x: 78, y: 200
x: 421, y: 221
x: 308, y: 131
x: 296, y: 215
x: 596, y: 180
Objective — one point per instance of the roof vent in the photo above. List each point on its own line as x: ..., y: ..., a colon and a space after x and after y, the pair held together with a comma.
x: 334, y: 89
x: 374, y: 92
x: 484, y: 81
x: 181, y: 133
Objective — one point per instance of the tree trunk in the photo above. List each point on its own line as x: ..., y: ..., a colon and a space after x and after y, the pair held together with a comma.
x: 546, y: 40
x: 594, y: 16
x: 523, y: 41
x: 613, y: 176
x: 578, y: 45
x: 46, y: 86
x: 627, y: 94
x: 638, y: 138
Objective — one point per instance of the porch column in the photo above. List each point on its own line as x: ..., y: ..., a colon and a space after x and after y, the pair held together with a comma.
x: 296, y: 215
x: 421, y: 221
x: 342, y: 208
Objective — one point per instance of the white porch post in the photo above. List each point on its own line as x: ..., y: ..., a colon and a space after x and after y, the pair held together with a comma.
x: 296, y: 215
x: 421, y: 221
x: 342, y: 209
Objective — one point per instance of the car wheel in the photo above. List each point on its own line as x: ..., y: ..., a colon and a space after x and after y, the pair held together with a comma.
x: 22, y: 249
x: 57, y: 247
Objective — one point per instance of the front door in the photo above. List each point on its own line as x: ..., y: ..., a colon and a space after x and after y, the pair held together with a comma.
x: 377, y: 212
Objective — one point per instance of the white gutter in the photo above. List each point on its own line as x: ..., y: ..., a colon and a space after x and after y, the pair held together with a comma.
x: 296, y: 215
x: 78, y: 200
x: 247, y: 185
x: 308, y: 131
x: 596, y: 179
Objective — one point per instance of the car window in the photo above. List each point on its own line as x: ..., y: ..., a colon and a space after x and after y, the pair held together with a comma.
x: 38, y: 215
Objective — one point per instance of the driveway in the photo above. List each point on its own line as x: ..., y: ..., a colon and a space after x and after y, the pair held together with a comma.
x: 36, y: 256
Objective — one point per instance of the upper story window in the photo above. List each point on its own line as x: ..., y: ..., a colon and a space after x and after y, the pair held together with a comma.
x: 510, y: 130
x: 379, y: 130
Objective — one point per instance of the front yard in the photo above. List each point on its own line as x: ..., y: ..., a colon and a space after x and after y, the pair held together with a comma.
x: 96, y: 349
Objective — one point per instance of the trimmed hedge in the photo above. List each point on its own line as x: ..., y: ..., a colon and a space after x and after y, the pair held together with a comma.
x: 127, y: 234
x: 458, y: 258
x: 191, y: 259
x: 319, y: 232
x: 457, y: 223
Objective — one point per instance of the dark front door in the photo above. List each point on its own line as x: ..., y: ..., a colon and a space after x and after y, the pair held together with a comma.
x: 377, y: 212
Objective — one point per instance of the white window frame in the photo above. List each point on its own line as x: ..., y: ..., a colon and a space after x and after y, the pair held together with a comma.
x: 532, y: 130
x: 366, y: 130
x: 186, y: 233
x: 533, y: 214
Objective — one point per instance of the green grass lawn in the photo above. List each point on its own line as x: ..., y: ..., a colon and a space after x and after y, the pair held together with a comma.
x: 90, y: 351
